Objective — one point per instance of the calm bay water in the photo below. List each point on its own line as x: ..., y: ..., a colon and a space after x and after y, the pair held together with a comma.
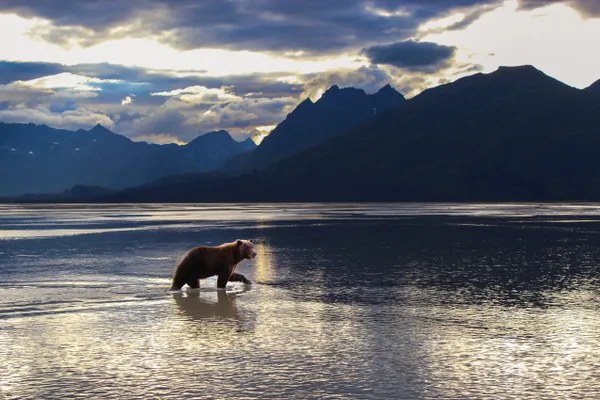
x: 359, y: 301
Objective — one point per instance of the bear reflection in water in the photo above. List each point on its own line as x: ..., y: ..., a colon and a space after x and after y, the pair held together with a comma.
x: 198, y: 305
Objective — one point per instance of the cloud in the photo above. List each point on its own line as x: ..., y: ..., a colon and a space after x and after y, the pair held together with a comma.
x: 411, y: 55
x: 54, y: 100
x: 246, y: 112
x: 160, y: 105
x: 52, y: 89
x: 312, y: 27
x: 79, y: 118
x: 370, y: 78
x: 589, y: 8
x: 18, y: 93
x: 259, y: 133
x: 11, y: 71
x: 124, y: 80
x: 158, y: 139
x: 374, y: 77
x: 555, y: 39
x: 40, y: 101
x: 201, y: 94
x: 238, y: 117
x: 67, y: 80
x: 157, y: 102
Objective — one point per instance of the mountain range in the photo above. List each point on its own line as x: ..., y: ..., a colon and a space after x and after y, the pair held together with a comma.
x: 37, y: 158
x: 513, y: 134
x: 313, y: 123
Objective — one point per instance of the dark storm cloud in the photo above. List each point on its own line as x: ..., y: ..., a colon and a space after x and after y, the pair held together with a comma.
x: 244, y: 101
x: 122, y: 98
x: 137, y: 80
x: 160, y: 80
x: 124, y: 116
x: 411, y: 55
x: 313, y: 26
x: 24, y: 71
x: 590, y: 8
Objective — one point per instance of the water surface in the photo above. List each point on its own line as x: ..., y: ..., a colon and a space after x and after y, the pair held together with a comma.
x: 364, y: 301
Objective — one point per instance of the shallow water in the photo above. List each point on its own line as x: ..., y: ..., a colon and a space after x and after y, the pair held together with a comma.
x: 349, y: 301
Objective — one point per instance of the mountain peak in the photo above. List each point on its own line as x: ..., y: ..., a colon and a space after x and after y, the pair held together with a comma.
x: 216, y: 144
x: 99, y: 128
x: 220, y: 135
x: 305, y: 104
x: 524, y: 77
x: 98, y: 157
x: 519, y: 70
x: 386, y: 88
x: 387, y: 97
x: 334, y: 94
x: 524, y: 67
x: 311, y: 123
x: 480, y: 88
x: 248, y: 144
x: 527, y: 75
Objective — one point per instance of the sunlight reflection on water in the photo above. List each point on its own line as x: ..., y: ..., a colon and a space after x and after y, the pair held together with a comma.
x: 345, y: 304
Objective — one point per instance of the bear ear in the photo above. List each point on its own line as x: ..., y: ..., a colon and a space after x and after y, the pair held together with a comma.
x: 250, y: 240
x: 238, y: 242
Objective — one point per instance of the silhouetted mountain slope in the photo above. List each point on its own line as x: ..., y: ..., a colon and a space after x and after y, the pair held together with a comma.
x: 594, y: 87
x: 37, y: 158
x: 212, y: 149
x: 515, y: 134
x: 76, y: 194
x: 512, y: 134
x: 313, y: 123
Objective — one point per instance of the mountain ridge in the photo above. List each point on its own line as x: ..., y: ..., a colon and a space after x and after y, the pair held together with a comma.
x: 38, y: 158
x: 594, y: 87
x: 311, y: 123
x: 515, y: 134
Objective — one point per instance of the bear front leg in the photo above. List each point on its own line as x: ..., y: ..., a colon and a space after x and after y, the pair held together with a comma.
x: 235, y: 277
x: 193, y: 283
x: 177, y: 283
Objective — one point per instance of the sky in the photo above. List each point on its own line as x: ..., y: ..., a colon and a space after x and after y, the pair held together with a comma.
x: 166, y: 71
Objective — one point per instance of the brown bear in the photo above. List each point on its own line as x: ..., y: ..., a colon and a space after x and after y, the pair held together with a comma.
x: 204, y: 261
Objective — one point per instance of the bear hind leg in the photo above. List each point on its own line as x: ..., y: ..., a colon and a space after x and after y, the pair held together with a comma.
x: 222, y: 281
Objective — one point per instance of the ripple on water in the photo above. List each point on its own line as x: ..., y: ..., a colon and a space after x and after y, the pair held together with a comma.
x: 373, y: 306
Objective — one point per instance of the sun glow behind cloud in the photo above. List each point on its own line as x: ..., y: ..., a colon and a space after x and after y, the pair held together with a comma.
x: 68, y: 80
x: 201, y: 94
x: 442, y: 23
x: 18, y: 45
x: 247, y: 92
x: 159, y: 138
x: 262, y: 132
x: 555, y: 39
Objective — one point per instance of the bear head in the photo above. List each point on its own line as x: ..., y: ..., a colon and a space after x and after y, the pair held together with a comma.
x: 246, y: 249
